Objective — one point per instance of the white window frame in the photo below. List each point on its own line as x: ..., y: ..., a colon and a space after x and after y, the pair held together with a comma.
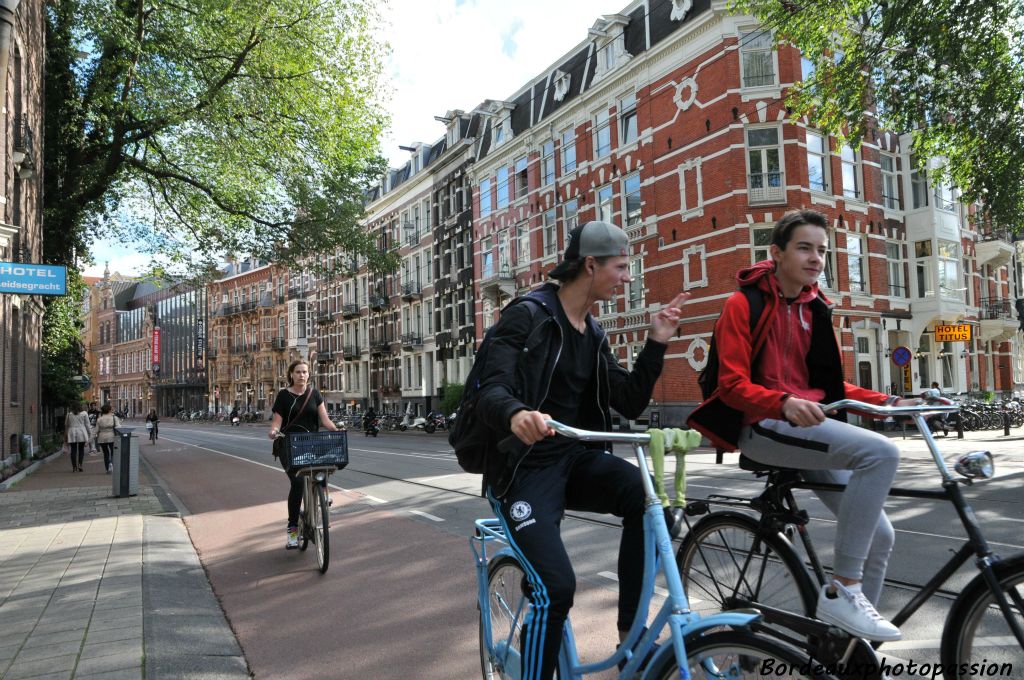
x: 547, y: 163
x: 604, y: 203
x: 894, y: 263
x: 767, y: 185
x: 850, y: 163
x: 631, y: 218
x: 568, y: 150
x: 550, y: 233
x: 522, y: 177
x: 570, y: 217
x: 629, y: 130
x: 760, y: 243
x: 523, y: 254
x: 602, y: 134
x: 635, y: 288
x: 918, y: 185
x: 502, y: 189
x: 890, y: 181
x: 821, y: 154
x: 857, y: 263
x: 755, y: 45
x: 485, y: 197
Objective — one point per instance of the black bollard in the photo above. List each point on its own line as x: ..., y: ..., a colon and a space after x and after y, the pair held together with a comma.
x: 959, y: 426
x: 1006, y: 423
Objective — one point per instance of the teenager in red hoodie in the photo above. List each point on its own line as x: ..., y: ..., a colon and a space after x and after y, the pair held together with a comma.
x: 771, y: 384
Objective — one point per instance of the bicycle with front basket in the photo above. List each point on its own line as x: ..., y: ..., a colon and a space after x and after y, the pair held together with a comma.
x: 733, y: 650
x: 741, y: 555
x: 315, y: 456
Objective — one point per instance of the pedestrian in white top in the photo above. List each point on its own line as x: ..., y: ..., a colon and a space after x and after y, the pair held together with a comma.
x: 105, y: 425
x: 76, y: 433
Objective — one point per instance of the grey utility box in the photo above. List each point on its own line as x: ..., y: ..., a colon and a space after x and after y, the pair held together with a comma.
x: 125, y: 472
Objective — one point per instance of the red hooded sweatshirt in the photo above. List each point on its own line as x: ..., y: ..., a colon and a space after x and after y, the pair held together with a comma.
x: 781, y: 367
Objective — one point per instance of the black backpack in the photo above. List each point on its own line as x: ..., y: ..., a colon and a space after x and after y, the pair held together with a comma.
x: 708, y: 378
x: 469, y: 436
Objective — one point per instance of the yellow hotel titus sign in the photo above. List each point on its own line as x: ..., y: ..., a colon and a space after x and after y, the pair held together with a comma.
x: 960, y: 332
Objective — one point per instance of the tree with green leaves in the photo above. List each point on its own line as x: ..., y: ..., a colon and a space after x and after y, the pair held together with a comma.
x: 950, y: 71
x: 62, y: 354
x: 211, y: 127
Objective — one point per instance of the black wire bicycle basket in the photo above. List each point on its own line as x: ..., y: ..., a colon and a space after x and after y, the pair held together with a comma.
x: 317, y: 449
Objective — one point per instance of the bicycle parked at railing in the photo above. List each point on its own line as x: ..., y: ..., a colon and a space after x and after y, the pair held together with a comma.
x: 315, y: 456
x: 742, y: 556
x: 732, y: 651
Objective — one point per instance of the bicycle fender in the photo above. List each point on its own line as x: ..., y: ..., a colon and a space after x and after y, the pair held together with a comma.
x: 743, y: 517
x: 737, y: 618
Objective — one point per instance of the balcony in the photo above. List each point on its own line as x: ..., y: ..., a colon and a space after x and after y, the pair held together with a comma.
x: 349, y: 310
x: 411, y: 340
x: 995, y: 248
x: 766, y: 187
x: 211, y: 353
x: 443, y: 339
x: 378, y: 302
x: 411, y: 291
x: 279, y: 343
x: 325, y: 355
x: 295, y: 293
x: 350, y: 352
x: 996, y: 319
x: 380, y: 346
x: 323, y: 316
x: 498, y: 286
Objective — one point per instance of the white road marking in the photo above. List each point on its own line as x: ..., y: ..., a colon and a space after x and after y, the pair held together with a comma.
x: 374, y: 498
x: 432, y: 518
x: 434, y: 479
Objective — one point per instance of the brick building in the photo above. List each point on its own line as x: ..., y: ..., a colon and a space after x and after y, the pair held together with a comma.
x: 22, y: 48
x: 669, y: 120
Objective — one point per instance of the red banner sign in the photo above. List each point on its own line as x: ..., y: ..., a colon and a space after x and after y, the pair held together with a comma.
x: 156, y: 346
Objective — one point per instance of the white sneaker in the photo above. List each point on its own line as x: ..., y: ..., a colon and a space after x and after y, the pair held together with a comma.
x: 852, y: 612
x: 293, y: 538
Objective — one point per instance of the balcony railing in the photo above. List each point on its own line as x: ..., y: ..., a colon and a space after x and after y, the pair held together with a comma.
x: 995, y: 308
x: 350, y: 352
x: 380, y: 345
x: 279, y: 343
x: 412, y: 340
x: 295, y: 293
x: 323, y: 316
x: 998, y: 235
x: 325, y: 355
x: 766, y: 187
x: 410, y: 291
x: 378, y: 302
x: 350, y: 310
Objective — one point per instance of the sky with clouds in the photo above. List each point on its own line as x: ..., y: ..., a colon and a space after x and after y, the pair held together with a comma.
x: 449, y: 54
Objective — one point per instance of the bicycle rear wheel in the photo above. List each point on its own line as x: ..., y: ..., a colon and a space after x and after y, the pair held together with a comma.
x: 977, y: 640
x: 736, y: 654
x: 726, y: 562
x: 320, y: 519
x: 509, y: 605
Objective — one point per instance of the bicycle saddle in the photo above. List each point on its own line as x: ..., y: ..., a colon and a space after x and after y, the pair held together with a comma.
x: 752, y: 465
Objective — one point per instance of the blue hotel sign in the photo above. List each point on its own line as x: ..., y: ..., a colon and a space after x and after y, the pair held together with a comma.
x: 27, y: 278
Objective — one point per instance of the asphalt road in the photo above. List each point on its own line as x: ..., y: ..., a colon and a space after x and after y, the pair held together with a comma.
x: 398, y: 599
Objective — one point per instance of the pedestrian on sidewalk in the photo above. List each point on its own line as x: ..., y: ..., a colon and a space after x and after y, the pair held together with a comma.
x: 297, y: 408
x: 76, y: 434
x: 105, y: 425
x: 94, y: 414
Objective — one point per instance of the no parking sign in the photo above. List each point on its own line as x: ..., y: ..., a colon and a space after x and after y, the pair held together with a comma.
x: 901, y: 356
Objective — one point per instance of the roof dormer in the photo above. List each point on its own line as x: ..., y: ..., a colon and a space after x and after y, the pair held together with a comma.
x: 608, y: 33
x: 500, y: 113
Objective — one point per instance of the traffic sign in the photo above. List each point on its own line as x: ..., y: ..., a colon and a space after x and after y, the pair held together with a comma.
x: 901, y: 356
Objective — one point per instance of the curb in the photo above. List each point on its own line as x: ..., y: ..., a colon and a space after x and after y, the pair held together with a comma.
x: 14, y: 479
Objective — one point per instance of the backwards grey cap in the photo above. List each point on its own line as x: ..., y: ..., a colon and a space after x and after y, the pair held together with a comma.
x: 595, y: 239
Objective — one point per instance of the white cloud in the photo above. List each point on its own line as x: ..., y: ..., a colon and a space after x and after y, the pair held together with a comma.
x: 453, y: 54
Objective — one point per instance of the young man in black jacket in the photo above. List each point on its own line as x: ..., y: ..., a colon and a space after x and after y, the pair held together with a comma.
x: 555, y: 362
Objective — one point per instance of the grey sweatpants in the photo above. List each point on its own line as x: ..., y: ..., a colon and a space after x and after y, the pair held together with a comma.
x: 838, y: 453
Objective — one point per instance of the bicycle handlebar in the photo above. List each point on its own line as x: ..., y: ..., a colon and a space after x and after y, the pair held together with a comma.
x: 594, y: 436
x: 873, y: 409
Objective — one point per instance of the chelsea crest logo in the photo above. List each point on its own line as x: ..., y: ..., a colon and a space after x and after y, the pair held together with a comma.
x: 520, y: 510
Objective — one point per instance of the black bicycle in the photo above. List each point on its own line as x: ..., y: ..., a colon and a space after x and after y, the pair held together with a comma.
x: 742, y: 556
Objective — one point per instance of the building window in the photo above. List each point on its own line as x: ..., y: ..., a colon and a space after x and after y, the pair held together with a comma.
x: 923, y: 257
x: 499, y: 132
x: 762, y: 241
x: 487, y: 258
x: 636, y: 285
x: 817, y: 161
x: 894, y: 258
x: 764, y: 165
x: 918, y: 185
x: 757, y: 61
x: 949, y: 270
x: 570, y: 218
x: 502, y: 188
x: 568, y: 151
x: 857, y: 263
x: 523, y: 244
x: 890, y: 182
x: 627, y: 119
x: 522, y: 181
x: 944, y: 196
x: 602, y: 135
x: 605, y: 206
x: 550, y: 233
x: 485, y: 197
x: 631, y: 197
x: 850, y: 160
x: 827, y: 278
x: 547, y: 163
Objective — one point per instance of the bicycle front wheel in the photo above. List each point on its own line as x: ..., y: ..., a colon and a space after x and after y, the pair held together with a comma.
x: 736, y: 654
x: 320, y: 519
x: 726, y: 562
x: 508, y: 606
x: 977, y: 641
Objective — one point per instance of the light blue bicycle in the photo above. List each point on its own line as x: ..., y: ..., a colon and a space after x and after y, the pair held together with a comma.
x: 723, y: 645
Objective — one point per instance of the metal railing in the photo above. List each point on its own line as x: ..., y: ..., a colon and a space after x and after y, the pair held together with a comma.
x: 995, y: 308
x: 766, y: 186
